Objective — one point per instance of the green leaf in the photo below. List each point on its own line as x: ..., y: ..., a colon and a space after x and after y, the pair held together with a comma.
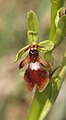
x: 32, y: 27
x: 21, y: 53
x: 47, y: 45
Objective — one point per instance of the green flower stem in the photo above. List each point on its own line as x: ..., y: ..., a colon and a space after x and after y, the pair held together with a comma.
x: 55, y: 5
x: 38, y: 102
x: 43, y: 101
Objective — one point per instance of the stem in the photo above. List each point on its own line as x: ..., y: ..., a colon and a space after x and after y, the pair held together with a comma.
x: 37, y: 103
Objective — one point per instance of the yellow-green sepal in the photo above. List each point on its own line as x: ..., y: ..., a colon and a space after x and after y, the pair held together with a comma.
x: 32, y: 27
x: 46, y: 46
x: 21, y: 53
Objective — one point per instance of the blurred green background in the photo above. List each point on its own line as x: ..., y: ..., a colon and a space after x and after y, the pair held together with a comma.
x: 15, y: 100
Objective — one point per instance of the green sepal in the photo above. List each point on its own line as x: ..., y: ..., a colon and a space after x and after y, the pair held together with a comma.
x: 21, y: 53
x: 32, y: 27
x: 47, y: 45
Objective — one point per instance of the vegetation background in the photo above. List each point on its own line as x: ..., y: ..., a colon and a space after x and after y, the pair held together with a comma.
x: 15, y: 100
